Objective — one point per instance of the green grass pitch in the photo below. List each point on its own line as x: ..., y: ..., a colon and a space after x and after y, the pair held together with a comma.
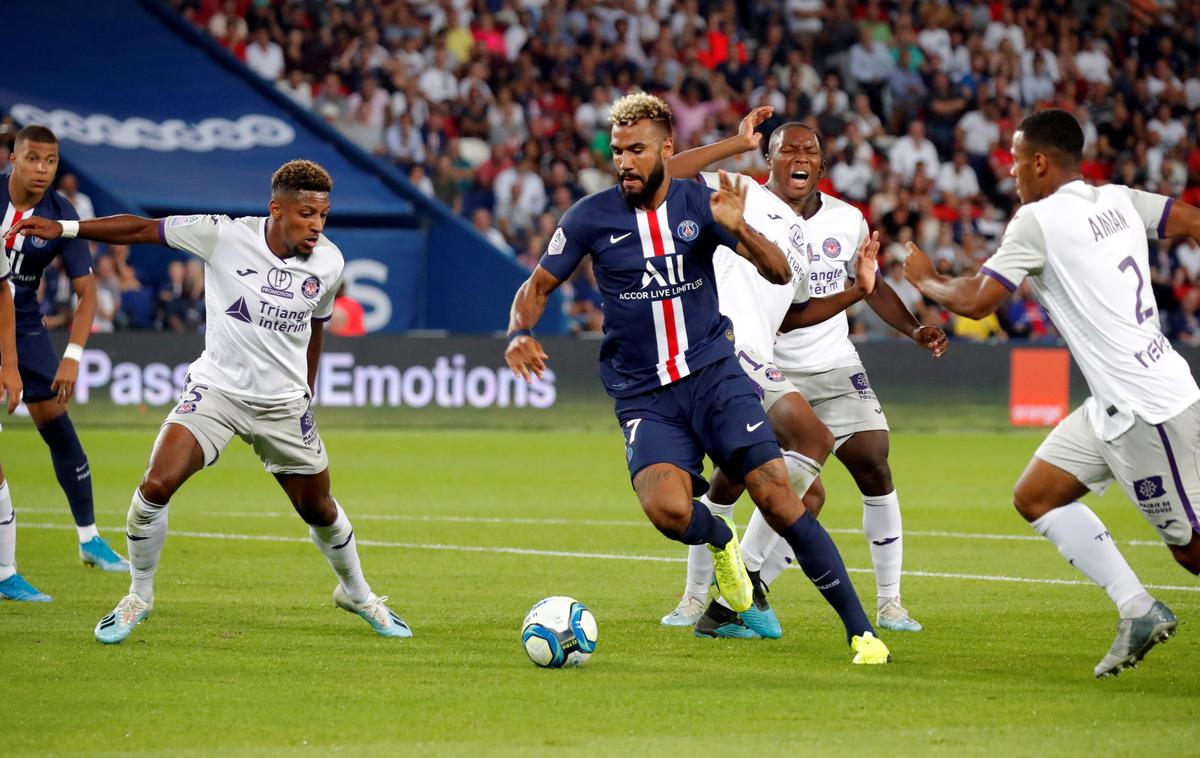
x: 245, y: 653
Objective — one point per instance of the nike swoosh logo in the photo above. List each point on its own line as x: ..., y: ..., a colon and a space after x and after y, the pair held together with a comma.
x: 752, y: 427
x: 615, y: 239
x: 80, y: 469
x: 773, y: 217
x: 246, y: 271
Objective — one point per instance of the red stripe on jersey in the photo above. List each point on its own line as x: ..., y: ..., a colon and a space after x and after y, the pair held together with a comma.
x: 8, y: 245
x: 667, y: 306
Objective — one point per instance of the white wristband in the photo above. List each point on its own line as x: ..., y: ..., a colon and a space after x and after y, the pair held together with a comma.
x: 73, y: 352
x: 70, y: 230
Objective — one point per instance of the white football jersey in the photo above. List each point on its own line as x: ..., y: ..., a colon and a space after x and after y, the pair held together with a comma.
x: 755, y: 306
x: 835, y: 230
x: 259, y: 306
x: 1084, y: 251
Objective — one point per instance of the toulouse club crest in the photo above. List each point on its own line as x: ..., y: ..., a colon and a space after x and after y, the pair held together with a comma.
x: 687, y: 230
x: 774, y: 374
x: 186, y: 407
x: 831, y: 247
x: 311, y: 287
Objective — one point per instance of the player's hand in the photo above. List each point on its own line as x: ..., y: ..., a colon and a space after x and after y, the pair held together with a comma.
x: 728, y: 203
x: 917, y: 266
x: 10, y: 386
x: 64, y: 380
x: 751, y: 121
x: 526, y: 357
x: 34, y: 226
x: 866, y: 264
x: 932, y: 339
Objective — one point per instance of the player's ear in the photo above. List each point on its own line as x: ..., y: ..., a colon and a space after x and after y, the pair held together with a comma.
x: 821, y: 171
x: 275, y: 208
x: 668, y: 147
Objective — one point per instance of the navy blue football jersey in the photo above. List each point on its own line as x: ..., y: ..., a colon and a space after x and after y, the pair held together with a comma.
x: 655, y: 274
x: 29, y: 256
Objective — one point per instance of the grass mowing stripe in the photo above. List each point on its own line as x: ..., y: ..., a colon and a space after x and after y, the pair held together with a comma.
x: 576, y: 522
x: 599, y: 556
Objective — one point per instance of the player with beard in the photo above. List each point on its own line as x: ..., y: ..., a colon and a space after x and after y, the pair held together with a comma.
x: 817, y: 363
x: 269, y: 286
x: 667, y: 357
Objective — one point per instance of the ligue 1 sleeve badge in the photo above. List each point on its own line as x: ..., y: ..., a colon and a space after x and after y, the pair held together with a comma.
x: 311, y: 287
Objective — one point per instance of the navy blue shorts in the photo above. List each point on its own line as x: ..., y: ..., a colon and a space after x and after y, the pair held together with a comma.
x: 38, y: 362
x: 715, y: 411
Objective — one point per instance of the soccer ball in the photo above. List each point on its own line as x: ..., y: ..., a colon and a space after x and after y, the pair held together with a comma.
x: 559, y: 632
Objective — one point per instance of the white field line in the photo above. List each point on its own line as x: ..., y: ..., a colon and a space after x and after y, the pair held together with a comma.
x: 595, y: 556
x: 439, y: 519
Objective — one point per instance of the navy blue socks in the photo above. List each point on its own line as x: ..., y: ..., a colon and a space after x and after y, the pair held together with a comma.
x: 822, y: 564
x: 71, y: 467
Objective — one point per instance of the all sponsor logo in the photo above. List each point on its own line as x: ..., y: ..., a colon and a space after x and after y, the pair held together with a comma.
x: 831, y: 247
x: 687, y: 230
x: 310, y: 287
x: 278, y: 283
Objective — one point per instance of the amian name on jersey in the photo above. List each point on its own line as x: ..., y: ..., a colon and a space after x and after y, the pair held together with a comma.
x: 1107, y: 223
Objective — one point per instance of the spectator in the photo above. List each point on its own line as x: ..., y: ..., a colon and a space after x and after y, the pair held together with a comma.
x: 68, y: 187
x: 958, y: 178
x: 108, y: 295
x: 520, y: 196
x: 481, y: 219
x: 297, y: 87
x: 348, y: 318
x: 264, y: 56
x: 912, y: 151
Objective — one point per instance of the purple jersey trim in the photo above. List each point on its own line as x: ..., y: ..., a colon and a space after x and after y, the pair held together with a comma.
x: 1000, y: 278
x: 1183, y: 498
x: 162, y: 232
x: 322, y: 319
x: 1162, y: 223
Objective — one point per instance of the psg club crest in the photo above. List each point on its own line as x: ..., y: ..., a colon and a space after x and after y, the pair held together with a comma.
x: 831, y: 247
x: 186, y: 407
x: 311, y: 287
x: 37, y: 241
x: 687, y: 230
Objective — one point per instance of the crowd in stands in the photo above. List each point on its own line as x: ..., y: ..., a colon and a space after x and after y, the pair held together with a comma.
x: 499, y: 108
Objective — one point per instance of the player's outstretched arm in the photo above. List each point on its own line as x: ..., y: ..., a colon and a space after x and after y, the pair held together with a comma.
x: 728, y: 205
x: 817, y: 310
x: 888, y: 305
x: 10, y: 378
x: 115, y: 230
x: 1182, y: 221
x: 971, y: 296
x: 524, y: 353
x: 691, y: 162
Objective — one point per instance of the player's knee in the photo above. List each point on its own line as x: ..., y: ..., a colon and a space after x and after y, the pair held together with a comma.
x: 876, y: 476
x: 771, y: 491
x: 1189, y: 555
x: 158, y: 488
x: 670, y: 516
x: 1028, y: 503
x: 814, y: 499
x: 814, y: 442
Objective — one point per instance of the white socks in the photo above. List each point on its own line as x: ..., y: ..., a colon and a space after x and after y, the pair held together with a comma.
x: 86, y: 533
x: 802, y: 471
x: 759, y: 541
x: 699, y: 562
x: 1086, y: 544
x: 145, y: 533
x: 8, y: 534
x: 881, y: 526
x: 336, y: 543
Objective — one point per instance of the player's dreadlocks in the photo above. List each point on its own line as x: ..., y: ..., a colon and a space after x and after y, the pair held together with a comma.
x: 300, y: 176
x: 639, y: 106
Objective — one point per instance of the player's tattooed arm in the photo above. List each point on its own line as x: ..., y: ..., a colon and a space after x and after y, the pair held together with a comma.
x: 888, y: 305
x: 524, y: 353
x: 819, y: 309
x: 971, y: 296
x: 115, y: 230
x: 687, y: 164
x: 10, y: 378
x: 728, y: 205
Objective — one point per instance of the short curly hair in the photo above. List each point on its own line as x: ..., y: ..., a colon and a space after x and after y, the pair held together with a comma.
x: 639, y: 106
x: 300, y: 176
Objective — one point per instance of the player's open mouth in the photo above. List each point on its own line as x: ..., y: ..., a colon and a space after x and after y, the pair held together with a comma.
x: 800, y: 176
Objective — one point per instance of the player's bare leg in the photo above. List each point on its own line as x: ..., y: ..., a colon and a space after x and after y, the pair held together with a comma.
x: 865, y: 456
x: 75, y: 477
x: 665, y: 493
x: 13, y: 586
x: 772, y: 491
x: 1188, y: 555
x: 176, y: 456
x: 1048, y: 498
x: 333, y: 535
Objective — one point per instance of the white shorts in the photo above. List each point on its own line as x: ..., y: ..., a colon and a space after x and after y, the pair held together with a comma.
x: 843, y: 399
x: 769, y: 381
x: 284, y: 435
x: 1156, y: 465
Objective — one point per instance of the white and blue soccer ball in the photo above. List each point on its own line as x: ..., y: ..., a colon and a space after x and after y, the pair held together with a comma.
x: 559, y: 632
